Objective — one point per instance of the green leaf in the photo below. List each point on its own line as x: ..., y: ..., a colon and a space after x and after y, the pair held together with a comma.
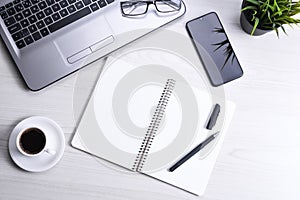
x: 248, y: 8
x: 283, y: 29
x: 255, y: 25
x: 255, y: 2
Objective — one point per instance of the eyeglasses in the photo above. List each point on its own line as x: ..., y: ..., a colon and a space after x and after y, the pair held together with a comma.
x: 140, y: 7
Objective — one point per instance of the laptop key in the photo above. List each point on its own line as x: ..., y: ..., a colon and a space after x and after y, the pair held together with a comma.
x: 35, y: 1
x: 28, y: 40
x: 48, y: 20
x: 102, y: 3
x: 19, y: 7
x: 63, y: 13
x: 16, y: 1
x: 26, y: 3
x: 25, y: 32
x: 70, y: 19
x: 2, y: 8
x: 32, y: 19
x: 50, y: 2
x: 34, y: 9
x: 9, y: 5
x: 14, y: 28
x: 110, y: 1
x: 63, y: 3
x: 44, y: 32
x: 4, y: 15
x: 20, y: 44
x: 48, y: 11
x: 36, y: 36
x: 32, y: 28
x: 40, y: 15
x: 56, y: 17
x: 17, y: 36
x: 10, y: 21
x: 40, y: 24
x: 19, y: 17
x: 79, y: 5
x: 87, y: 2
x: 71, y: 1
x: 42, y: 5
x: 94, y: 7
x: 24, y: 23
x: 71, y: 9
x: 56, y: 7
x: 11, y: 11
x: 26, y: 13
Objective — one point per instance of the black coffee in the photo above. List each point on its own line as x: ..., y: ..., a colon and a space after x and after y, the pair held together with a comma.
x: 33, y: 141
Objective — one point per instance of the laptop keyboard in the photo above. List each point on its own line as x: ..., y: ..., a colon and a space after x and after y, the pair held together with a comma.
x: 30, y: 20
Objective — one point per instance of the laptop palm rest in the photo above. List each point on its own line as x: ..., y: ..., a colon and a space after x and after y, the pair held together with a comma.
x: 84, y: 40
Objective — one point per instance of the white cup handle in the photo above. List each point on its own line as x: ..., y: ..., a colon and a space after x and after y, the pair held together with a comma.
x: 50, y: 151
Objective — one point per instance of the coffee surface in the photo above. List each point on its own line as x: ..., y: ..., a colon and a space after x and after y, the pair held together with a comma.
x: 33, y: 141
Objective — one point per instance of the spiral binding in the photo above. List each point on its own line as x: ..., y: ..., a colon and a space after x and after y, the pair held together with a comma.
x: 154, y: 125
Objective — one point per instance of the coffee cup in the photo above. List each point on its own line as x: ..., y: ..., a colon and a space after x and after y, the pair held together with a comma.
x: 32, y: 142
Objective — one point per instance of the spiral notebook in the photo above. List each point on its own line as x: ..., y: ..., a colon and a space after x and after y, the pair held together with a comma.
x: 145, y: 114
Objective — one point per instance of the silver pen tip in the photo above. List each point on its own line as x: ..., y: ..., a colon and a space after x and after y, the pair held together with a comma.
x: 216, y: 134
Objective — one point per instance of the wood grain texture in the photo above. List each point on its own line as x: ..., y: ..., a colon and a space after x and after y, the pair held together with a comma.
x: 260, y: 155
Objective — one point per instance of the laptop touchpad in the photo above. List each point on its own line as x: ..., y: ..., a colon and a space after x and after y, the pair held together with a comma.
x: 78, y: 41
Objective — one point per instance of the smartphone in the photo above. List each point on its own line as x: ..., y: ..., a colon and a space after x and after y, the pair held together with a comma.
x: 214, y: 49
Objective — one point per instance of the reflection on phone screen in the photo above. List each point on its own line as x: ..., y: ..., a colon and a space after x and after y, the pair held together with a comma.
x: 214, y: 48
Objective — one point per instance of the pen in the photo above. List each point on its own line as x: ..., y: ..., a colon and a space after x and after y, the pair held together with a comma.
x: 194, y: 151
x: 213, y: 117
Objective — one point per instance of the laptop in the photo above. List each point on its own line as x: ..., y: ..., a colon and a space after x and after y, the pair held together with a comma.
x: 50, y: 39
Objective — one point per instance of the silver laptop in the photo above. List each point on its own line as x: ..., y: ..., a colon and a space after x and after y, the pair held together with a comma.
x: 49, y: 39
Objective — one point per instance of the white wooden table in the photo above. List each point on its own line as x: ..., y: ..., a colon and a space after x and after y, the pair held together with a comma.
x: 259, y: 158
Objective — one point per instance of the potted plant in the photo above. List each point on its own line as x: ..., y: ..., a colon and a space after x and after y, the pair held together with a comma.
x: 261, y: 16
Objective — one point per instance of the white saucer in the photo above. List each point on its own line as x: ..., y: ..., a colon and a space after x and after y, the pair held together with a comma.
x: 45, y: 161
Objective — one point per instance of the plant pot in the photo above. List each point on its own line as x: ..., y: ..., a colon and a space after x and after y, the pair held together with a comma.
x: 247, y: 24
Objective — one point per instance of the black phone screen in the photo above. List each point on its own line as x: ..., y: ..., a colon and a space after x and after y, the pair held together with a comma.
x: 214, y: 49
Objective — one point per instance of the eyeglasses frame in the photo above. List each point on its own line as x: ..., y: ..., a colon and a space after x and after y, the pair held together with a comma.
x: 148, y: 3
